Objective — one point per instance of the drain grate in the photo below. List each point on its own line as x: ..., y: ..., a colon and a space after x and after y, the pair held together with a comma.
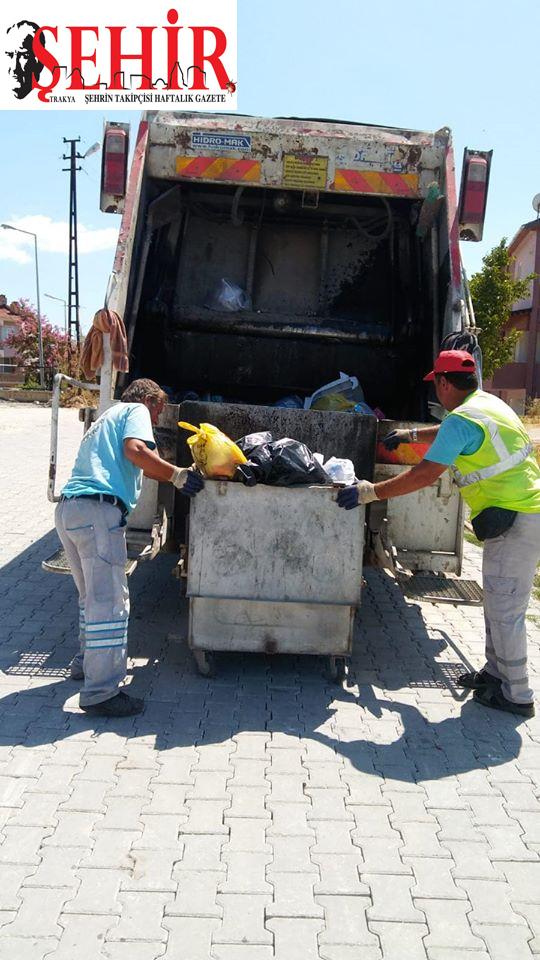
x: 37, y: 664
x: 449, y: 672
x: 441, y: 590
x: 59, y: 563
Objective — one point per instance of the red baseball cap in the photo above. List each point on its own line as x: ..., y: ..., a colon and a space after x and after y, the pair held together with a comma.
x: 453, y: 361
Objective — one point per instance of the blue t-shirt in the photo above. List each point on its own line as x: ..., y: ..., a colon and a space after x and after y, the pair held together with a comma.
x: 101, y: 465
x: 456, y: 436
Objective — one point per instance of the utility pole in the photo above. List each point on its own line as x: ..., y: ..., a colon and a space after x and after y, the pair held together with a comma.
x: 7, y: 226
x: 73, y: 325
x: 60, y: 300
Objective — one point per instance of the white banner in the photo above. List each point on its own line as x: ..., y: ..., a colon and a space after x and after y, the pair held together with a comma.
x: 59, y: 55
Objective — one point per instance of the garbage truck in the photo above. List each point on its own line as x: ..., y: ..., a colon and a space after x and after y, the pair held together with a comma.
x: 258, y: 259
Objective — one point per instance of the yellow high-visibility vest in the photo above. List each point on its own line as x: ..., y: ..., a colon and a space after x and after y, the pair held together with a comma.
x: 503, y: 472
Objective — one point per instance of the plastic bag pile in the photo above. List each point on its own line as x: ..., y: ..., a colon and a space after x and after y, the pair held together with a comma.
x: 258, y: 458
x: 283, y: 463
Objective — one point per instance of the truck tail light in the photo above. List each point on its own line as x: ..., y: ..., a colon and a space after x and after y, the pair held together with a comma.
x: 473, y: 193
x: 114, y: 167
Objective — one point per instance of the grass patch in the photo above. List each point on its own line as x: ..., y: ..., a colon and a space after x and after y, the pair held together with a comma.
x: 532, y: 411
x: 470, y: 537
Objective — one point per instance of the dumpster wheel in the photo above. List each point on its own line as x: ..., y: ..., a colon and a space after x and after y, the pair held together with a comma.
x: 337, y: 669
x: 205, y: 661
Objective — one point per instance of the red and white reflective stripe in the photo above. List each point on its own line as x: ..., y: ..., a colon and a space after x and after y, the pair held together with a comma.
x: 219, y: 168
x: 376, y: 181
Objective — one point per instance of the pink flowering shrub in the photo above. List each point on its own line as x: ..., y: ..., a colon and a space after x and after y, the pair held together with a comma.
x: 57, y: 355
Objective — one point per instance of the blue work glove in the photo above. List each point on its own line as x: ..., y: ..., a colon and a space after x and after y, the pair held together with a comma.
x: 188, y: 482
x: 359, y: 493
x: 393, y: 439
x: 193, y: 484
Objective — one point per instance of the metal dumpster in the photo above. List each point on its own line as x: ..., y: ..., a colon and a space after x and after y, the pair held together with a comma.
x: 273, y: 570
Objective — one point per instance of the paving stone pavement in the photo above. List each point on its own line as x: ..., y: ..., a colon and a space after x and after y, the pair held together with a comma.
x: 265, y: 813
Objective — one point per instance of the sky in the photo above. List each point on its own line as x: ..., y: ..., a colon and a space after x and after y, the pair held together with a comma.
x: 470, y: 65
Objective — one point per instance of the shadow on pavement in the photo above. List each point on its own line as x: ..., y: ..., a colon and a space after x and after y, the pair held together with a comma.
x: 399, y: 717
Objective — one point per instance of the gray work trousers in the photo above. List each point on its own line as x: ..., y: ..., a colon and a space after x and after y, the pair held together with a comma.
x: 508, y: 570
x: 95, y: 545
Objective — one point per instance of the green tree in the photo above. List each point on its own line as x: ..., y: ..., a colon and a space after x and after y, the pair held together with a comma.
x: 493, y: 292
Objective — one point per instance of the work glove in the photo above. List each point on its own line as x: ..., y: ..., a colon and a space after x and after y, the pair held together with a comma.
x: 393, y: 439
x: 188, y: 482
x: 359, y: 493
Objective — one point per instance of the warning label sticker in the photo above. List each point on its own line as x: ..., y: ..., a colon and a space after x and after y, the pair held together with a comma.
x: 305, y: 172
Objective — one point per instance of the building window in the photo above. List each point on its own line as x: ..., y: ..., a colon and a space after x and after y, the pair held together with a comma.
x: 521, y: 348
x: 6, y: 329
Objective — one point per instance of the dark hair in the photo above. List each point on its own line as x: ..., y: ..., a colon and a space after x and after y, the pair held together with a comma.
x: 29, y: 23
x: 461, y: 381
x: 141, y: 390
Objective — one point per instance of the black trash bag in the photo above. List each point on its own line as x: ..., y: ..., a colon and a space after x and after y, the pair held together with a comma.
x: 250, y: 442
x: 462, y: 340
x: 258, y: 449
x: 282, y: 463
x: 246, y: 474
x: 293, y: 463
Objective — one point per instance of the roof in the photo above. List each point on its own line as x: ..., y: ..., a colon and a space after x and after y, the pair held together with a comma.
x: 7, y: 317
x: 531, y: 227
x: 10, y: 313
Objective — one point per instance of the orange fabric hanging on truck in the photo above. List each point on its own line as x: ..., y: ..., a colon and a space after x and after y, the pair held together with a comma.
x: 105, y: 321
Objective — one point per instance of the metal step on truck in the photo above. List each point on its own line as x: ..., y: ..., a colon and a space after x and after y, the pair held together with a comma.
x: 344, y: 241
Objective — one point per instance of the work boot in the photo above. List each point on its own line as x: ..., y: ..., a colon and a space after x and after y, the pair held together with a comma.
x: 121, y: 705
x: 494, y: 698
x: 477, y: 679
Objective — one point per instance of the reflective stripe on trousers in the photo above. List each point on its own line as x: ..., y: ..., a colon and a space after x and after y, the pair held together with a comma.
x: 95, y: 546
x: 508, y: 568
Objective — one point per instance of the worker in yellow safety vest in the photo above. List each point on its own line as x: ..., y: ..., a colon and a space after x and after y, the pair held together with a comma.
x: 491, y: 456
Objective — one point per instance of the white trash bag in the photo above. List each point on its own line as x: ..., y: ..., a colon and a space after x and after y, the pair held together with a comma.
x: 340, y: 471
x: 228, y: 297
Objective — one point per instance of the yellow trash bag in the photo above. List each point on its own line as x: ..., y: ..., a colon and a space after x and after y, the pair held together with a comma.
x: 334, y: 401
x: 214, y: 454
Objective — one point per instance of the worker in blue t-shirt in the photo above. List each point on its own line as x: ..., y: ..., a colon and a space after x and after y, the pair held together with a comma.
x: 90, y: 519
